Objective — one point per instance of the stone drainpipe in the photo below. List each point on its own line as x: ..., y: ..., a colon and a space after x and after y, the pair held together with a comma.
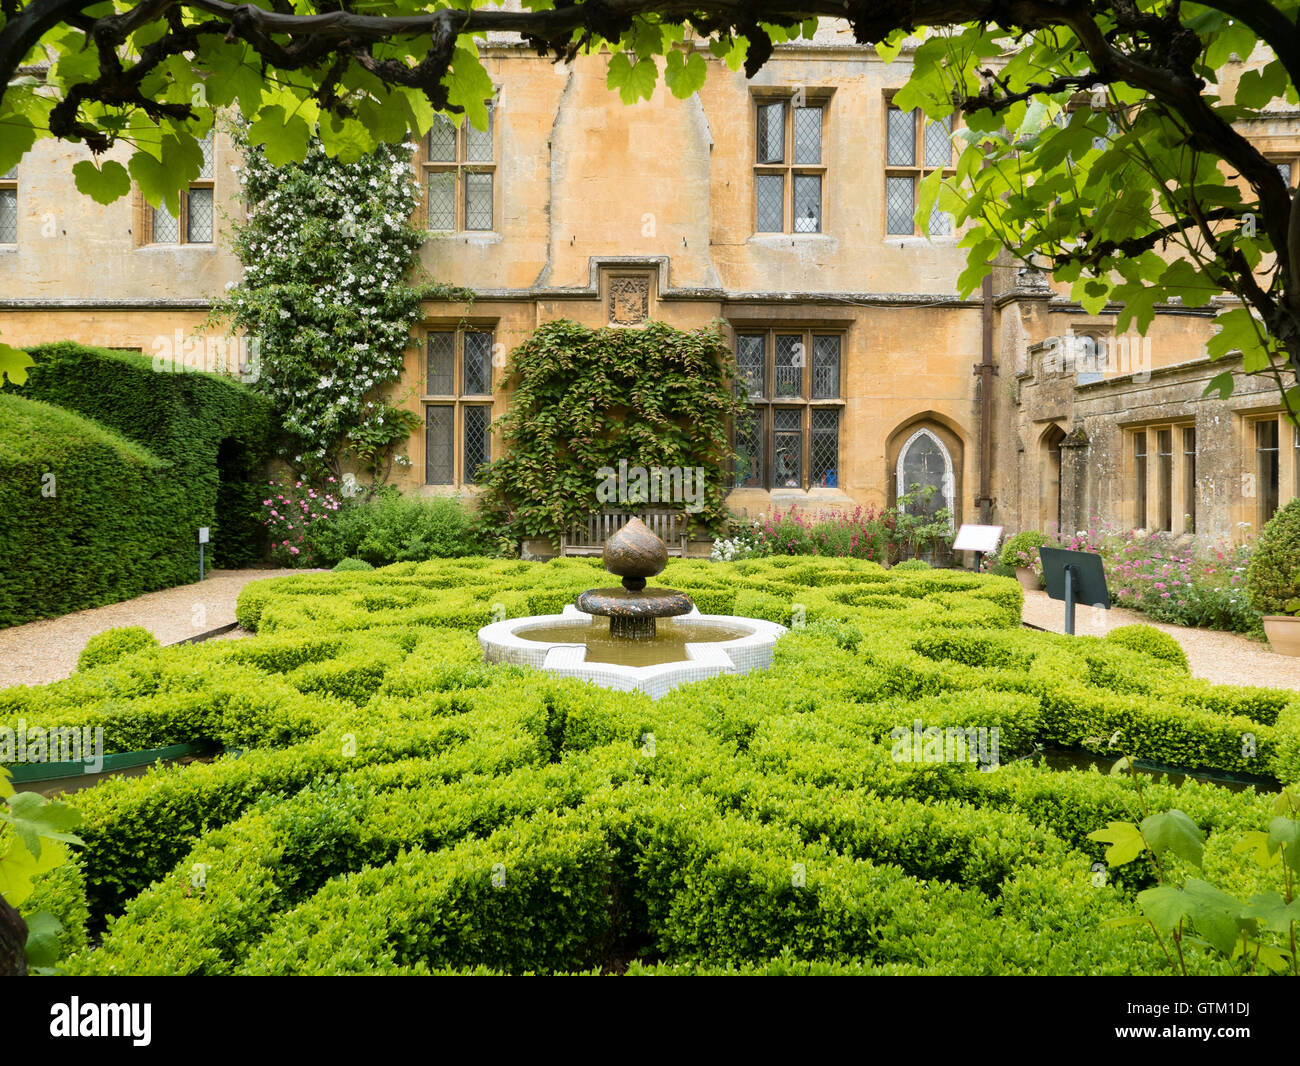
x: 985, y: 369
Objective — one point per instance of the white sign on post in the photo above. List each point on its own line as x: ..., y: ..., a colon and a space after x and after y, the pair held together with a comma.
x: 977, y: 539
x: 203, y: 534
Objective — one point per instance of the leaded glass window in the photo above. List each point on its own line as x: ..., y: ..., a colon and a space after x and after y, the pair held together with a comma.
x: 478, y: 364
x: 8, y: 215
x: 807, y: 203
x: 9, y: 206
x: 439, y: 442
x: 914, y: 147
x: 478, y: 200
x: 790, y: 170
x: 771, y: 132
x: 900, y: 151
x: 795, y: 444
x: 825, y: 450
x: 808, y: 135
x: 787, y: 449
x: 442, y: 200
x: 924, y: 464
x: 460, y: 176
x: 166, y: 226
x: 458, y: 372
x: 769, y: 190
x: 751, y: 358
x: 826, y: 367
x: 748, y: 468
x: 197, y: 206
x: 899, y: 208
x: 477, y: 421
x: 198, y: 220
x: 789, y: 364
x: 441, y: 365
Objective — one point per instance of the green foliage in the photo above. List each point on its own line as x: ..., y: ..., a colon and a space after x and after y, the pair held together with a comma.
x: 388, y: 803
x: 35, y: 873
x: 393, y: 528
x: 585, y: 399
x: 352, y: 564
x: 77, y: 512
x: 1273, y: 580
x: 1022, y: 549
x: 1201, y: 920
x: 109, y: 645
x: 213, y: 436
x: 1150, y: 641
x: 327, y: 251
x: 913, y: 564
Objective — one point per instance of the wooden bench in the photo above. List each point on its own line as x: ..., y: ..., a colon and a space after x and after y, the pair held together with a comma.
x: 588, y: 537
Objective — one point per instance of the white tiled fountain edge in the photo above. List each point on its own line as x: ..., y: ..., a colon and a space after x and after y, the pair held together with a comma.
x: 753, y: 651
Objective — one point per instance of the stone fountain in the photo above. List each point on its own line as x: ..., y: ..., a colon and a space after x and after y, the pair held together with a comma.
x: 634, y: 553
x: 632, y: 651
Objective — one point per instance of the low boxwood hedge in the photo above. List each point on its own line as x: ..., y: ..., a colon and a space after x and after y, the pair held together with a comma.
x: 387, y: 803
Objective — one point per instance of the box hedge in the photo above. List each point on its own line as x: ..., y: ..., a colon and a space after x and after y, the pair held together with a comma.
x: 387, y: 803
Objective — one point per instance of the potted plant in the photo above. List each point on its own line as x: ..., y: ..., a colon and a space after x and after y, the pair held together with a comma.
x: 1273, y: 580
x: 1021, y: 553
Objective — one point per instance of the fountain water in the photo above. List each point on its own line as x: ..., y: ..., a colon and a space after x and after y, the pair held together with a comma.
x: 634, y: 652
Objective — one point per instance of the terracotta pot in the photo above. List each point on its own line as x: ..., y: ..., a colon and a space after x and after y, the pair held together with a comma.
x: 1283, y: 632
x: 1027, y: 578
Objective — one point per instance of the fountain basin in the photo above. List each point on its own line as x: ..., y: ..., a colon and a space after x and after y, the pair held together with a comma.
x: 747, y: 645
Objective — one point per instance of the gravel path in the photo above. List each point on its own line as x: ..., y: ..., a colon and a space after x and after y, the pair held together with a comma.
x: 47, y: 650
x: 1227, y: 658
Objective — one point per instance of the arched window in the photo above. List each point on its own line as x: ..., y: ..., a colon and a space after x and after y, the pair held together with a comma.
x: 924, y: 460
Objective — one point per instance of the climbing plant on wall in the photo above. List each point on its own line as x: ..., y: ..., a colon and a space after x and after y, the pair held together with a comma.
x: 328, y: 251
x: 586, y: 400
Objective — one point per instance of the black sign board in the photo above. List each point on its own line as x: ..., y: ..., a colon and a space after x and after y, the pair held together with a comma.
x: 1075, y: 577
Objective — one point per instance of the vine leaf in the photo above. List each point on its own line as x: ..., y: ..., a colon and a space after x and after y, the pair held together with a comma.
x: 103, y: 184
x: 1174, y: 831
x: 14, y: 363
x: 1126, y: 843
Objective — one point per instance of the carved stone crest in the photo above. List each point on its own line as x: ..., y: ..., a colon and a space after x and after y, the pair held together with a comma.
x: 629, y: 300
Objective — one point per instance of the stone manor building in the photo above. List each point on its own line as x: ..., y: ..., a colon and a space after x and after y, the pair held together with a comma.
x: 780, y: 206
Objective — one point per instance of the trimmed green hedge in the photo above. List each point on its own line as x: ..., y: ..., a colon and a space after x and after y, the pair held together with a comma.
x: 77, y: 512
x: 387, y: 803
x: 1150, y: 641
x: 1273, y: 579
x: 207, y: 439
x: 109, y: 645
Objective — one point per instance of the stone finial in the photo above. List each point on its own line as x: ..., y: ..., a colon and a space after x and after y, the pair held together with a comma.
x: 634, y: 553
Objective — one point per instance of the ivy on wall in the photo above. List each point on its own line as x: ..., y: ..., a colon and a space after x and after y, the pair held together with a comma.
x: 327, y: 250
x: 586, y: 399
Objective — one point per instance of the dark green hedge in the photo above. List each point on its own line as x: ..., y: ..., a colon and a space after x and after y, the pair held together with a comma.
x: 209, y: 438
x: 77, y: 512
x: 215, y: 432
